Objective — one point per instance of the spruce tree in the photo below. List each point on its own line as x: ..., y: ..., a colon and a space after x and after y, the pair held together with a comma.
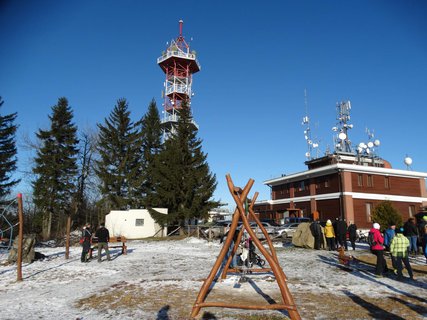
x: 184, y: 183
x: 386, y: 215
x: 151, y: 135
x: 56, y: 168
x: 8, y: 152
x: 118, y: 166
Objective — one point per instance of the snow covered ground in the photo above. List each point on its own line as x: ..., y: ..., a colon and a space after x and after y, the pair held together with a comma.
x: 161, y: 280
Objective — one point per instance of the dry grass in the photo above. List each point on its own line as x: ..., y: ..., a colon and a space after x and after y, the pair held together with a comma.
x: 170, y: 301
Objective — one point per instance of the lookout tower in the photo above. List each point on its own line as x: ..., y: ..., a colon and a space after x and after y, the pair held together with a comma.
x: 179, y: 64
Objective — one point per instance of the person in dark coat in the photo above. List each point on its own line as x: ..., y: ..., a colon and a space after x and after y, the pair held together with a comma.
x: 335, y: 226
x: 342, y: 233
x: 352, y: 234
x: 87, y: 236
x: 103, y: 238
x: 316, y: 231
x: 411, y: 232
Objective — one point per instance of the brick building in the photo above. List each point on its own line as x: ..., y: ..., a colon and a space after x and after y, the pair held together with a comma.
x: 344, y: 185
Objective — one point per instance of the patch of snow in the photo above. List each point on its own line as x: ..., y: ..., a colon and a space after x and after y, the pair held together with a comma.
x: 52, y: 287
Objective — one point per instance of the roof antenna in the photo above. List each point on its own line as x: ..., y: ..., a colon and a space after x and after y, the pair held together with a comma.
x: 307, y: 131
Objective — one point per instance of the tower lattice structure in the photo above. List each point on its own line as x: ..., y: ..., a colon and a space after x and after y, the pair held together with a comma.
x: 179, y: 64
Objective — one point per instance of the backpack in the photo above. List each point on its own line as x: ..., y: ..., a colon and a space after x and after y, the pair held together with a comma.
x: 371, y: 240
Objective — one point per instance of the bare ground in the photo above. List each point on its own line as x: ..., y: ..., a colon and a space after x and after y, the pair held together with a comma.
x: 177, y: 303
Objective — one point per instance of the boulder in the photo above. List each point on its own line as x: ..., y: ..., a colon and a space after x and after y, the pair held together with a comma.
x: 303, y: 237
x: 27, y: 249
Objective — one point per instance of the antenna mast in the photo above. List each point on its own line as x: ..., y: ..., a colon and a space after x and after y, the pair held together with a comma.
x: 342, y: 142
x: 307, y: 131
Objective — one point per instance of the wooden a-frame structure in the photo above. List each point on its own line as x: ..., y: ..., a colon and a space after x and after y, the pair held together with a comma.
x: 240, y: 196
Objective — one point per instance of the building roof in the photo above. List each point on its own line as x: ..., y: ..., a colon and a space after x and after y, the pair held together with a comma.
x: 321, y: 171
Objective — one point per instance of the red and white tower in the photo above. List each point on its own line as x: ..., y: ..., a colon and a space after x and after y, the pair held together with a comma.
x: 178, y: 63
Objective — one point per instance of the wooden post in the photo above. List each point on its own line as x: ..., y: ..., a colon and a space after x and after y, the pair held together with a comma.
x: 198, y: 232
x: 67, y: 238
x: 20, y: 237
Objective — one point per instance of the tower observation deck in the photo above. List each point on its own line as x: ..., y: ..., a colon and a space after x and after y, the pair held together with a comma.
x: 179, y: 64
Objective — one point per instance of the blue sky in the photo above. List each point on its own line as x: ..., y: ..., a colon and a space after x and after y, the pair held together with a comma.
x: 257, y: 58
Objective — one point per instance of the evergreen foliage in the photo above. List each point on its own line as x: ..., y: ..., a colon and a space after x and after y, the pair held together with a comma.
x: 8, y: 152
x: 183, y: 181
x: 119, y: 163
x: 151, y: 138
x: 56, y: 167
x: 385, y: 214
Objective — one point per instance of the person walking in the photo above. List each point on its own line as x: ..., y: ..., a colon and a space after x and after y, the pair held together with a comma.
x: 330, y: 235
x: 86, y: 236
x: 399, y: 249
x: 316, y: 231
x: 103, y: 238
x: 352, y: 234
x: 411, y: 232
x: 378, y: 249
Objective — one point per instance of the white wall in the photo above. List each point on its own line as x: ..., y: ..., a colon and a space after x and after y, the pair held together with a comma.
x: 123, y: 223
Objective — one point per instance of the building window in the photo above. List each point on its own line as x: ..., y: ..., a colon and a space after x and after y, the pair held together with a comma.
x: 387, y: 182
x: 411, y: 211
x: 370, y: 182
x: 139, y: 222
x: 326, y: 183
x: 360, y: 180
x: 301, y: 186
x: 369, y: 207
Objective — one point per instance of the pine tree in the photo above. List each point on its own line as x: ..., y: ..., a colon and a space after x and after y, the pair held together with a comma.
x: 56, y: 168
x: 386, y: 214
x: 118, y: 167
x: 151, y: 135
x: 8, y: 152
x: 184, y: 183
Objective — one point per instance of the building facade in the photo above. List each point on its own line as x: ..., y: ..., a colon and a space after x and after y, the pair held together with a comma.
x: 344, y: 185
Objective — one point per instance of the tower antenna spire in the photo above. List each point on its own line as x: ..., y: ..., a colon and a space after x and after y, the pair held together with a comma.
x: 180, y: 27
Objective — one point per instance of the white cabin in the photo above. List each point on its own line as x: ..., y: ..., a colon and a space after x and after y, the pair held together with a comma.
x: 134, y: 223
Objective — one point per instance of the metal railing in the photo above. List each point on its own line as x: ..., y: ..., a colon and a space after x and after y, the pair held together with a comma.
x: 178, y: 54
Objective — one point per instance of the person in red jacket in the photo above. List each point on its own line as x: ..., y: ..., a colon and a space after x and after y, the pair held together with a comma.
x: 378, y: 250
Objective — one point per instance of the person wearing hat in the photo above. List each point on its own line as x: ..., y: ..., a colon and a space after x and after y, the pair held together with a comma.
x: 330, y: 235
x: 378, y: 250
x: 399, y: 249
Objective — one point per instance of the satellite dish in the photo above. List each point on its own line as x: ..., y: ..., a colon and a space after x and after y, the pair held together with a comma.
x: 335, y: 129
x: 408, y: 161
x: 370, y: 144
x: 368, y: 151
x: 361, y: 145
x: 315, y: 145
x: 359, y: 149
x: 377, y: 142
x: 310, y: 142
x: 342, y: 136
x: 307, y: 154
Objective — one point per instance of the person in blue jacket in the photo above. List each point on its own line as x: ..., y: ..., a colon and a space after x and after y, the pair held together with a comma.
x: 389, y: 235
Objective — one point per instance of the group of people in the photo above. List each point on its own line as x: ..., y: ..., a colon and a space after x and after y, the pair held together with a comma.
x: 103, y: 237
x: 400, y: 242
x: 335, y: 234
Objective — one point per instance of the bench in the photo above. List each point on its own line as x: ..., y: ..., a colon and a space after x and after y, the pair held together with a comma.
x: 119, y: 239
